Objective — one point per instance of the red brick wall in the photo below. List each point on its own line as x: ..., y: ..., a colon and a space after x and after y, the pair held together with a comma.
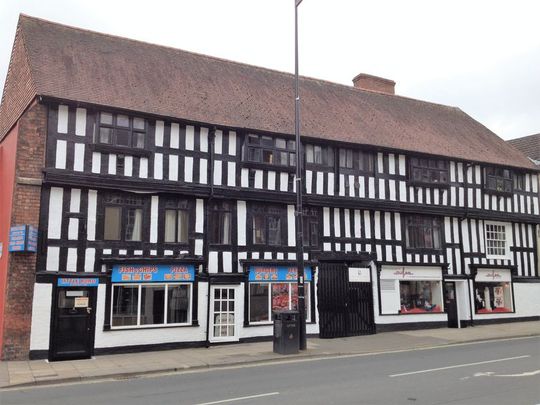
x: 30, y: 161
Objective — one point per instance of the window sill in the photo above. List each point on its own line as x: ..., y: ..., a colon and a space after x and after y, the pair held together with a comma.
x: 119, y: 329
x: 268, y: 166
x: 445, y: 186
x: 98, y: 147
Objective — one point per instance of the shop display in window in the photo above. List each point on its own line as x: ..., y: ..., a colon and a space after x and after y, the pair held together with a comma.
x: 420, y: 296
x: 493, y: 297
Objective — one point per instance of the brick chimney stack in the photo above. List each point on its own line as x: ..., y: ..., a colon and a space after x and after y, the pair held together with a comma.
x: 374, y: 83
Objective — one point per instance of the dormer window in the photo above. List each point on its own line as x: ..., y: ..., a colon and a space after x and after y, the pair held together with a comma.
x: 498, y: 179
x: 428, y: 171
x: 121, y: 130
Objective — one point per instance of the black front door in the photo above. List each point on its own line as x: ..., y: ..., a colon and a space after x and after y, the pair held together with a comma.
x: 72, y: 334
x: 345, y: 308
x: 450, y: 304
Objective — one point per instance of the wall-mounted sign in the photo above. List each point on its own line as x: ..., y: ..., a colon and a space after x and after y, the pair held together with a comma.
x: 77, y: 282
x: 23, y: 238
x: 139, y: 273
x: 411, y: 273
x: 359, y: 275
x: 81, y: 302
x: 276, y: 273
x: 493, y: 275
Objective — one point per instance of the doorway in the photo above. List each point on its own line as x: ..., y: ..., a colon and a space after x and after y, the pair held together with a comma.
x: 223, y: 326
x: 450, y: 304
x: 73, y: 324
x: 345, y: 308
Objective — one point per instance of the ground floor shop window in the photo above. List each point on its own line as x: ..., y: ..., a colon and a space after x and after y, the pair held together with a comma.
x: 265, y: 298
x: 420, y: 296
x: 493, y: 297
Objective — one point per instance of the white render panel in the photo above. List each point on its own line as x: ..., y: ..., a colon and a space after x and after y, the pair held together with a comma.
x: 96, y: 162
x: 198, y: 247
x: 203, y: 171
x: 173, y: 167
x: 377, y: 218
x: 291, y: 225
x: 362, y: 187
x: 231, y: 174
x: 188, y: 169
x: 391, y: 164
x: 309, y: 181
x: 367, y: 224
x: 258, y: 178
x: 380, y: 161
x: 89, y: 259
x: 128, y: 166
x: 213, y: 262
x: 75, y: 200
x: 174, y: 142
x: 154, y: 204
x: 244, y: 178
x: 283, y: 181
x: 71, y: 264
x: 61, y: 151
x: 80, y: 121
x: 271, y: 180
x: 218, y: 142
x: 347, y: 217
x: 199, y: 216
x: 54, y: 227
x: 78, y: 159
x: 232, y: 143
x: 319, y: 183
x: 158, y: 166
x: 337, y: 228
x: 91, y: 219
x: 326, y: 221
x: 402, y: 165
x: 371, y: 187
x: 41, y: 316
x: 73, y: 229
x: 330, y: 183
x: 203, y: 139
x: 241, y: 214
x: 190, y: 137
x: 63, y: 113
x: 227, y: 262
x: 53, y: 258
x: 112, y: 164
x: 218, y: 167
x: 143, y: 168
x: 357, y: 224
x: 160, y: 128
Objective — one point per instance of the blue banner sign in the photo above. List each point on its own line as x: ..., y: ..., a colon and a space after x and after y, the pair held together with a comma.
x: 17, y: 238
x: 277, y: 273
x: 149, y: 273
x: 31, y: 239
x: 77, y: 282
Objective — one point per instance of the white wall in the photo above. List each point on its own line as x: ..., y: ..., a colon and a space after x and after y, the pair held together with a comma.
x: 41, y: 317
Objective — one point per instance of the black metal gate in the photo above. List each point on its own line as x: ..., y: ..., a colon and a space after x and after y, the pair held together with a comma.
x: 345, y: 308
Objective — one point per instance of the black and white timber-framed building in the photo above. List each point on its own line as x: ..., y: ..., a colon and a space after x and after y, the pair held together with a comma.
x: 166, y: 212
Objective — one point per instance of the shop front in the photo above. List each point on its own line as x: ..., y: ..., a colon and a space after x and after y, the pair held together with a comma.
x: 493, y: 291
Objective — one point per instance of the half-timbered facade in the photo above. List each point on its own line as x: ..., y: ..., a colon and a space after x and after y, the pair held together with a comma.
x: 167, y: 218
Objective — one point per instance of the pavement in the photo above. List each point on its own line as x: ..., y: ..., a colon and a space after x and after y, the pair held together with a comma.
x: 122, y: 366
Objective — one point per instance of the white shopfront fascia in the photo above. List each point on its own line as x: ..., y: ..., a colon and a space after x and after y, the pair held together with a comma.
x: 389, y: 283
x: 493, y: 275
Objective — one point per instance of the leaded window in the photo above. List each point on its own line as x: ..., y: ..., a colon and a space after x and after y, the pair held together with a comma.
x: 423, y: 232
x: 121, y: 130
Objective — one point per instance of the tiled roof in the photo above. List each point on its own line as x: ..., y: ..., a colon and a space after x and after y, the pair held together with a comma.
x: 528, y: 145
x: 89, y: 67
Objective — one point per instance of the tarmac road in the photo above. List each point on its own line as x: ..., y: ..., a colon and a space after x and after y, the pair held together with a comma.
x: 494, y: 372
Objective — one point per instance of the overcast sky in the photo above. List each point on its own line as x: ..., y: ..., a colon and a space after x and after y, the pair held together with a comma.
x: 481, y: 56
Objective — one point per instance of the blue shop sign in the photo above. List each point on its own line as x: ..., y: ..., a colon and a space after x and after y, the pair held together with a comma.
x: 277, y: 273
x: 31, y: 239
x: 17, y: 238
x: 149, y: 273
x: 77, y: 282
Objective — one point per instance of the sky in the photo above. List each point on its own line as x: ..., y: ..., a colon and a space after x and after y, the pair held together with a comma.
x: 482, y: 56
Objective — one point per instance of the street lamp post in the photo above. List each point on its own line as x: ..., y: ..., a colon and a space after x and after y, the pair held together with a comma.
x: 299, y: 190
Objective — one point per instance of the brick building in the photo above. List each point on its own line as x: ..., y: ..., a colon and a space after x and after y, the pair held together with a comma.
x: 161, y: 186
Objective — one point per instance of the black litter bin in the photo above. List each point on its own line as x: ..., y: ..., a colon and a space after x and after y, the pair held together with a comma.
x: 286, y: 330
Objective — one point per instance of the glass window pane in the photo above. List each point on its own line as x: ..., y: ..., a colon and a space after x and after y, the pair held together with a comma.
x: 122, y: 120
x: 259, y: 236
x: 138, y: 140
x: 183, y: 226
x: 254, y: 155
x: 267, y: 141
x: 152, y: 304
x: 105, y: 118
x: 178, y: 304
x: 112, y: 223
x: 268, y: 156
x: 134, y: 224
x: 122, y: 137
x: 420, y: 296
x: 125, y: 301
x: 105, y: 135
x: 317, y: 152
x: 253, y: 139
x: 329, y: 152
x: 274, y: 231
x: 291, y: 145
x: 309, y: 153
x: 170, y: 225
x: 138, y: 123
x: 280, y: 296
x: 280, y: 143
x: 226, y: 228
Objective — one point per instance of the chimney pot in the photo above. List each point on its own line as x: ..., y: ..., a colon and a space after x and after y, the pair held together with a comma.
x: 377, y: 84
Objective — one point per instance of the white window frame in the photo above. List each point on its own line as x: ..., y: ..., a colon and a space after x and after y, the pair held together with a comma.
x: 165, y: 308
x: 307, y: 287
x: 508, y: 239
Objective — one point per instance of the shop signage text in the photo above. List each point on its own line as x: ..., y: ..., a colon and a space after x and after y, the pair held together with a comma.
x: 23, y: 238
x: 137, y: 273
x: 411, y: 273
x: 276, y: 273
x: 78, y: 282
x: 493, y: 275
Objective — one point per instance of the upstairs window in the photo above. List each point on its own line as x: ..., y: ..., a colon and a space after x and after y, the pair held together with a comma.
x: 176, y: 222
x: 311, y: 227
x: 270, y: 151
x: 366, y: 162
x: 346, y: 158
x: 121, y: 130
x: 423, y: 232
x: 320, y: 155
x: 519, y: 181
x: 429, y: 171
x: 268, y: 225
x: 123, y: 218
x: 497, y: 240
x: 221, y: 217
x: 498, y: 179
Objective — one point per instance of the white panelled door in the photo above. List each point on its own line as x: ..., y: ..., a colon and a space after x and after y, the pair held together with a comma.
x: 223, y: 325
